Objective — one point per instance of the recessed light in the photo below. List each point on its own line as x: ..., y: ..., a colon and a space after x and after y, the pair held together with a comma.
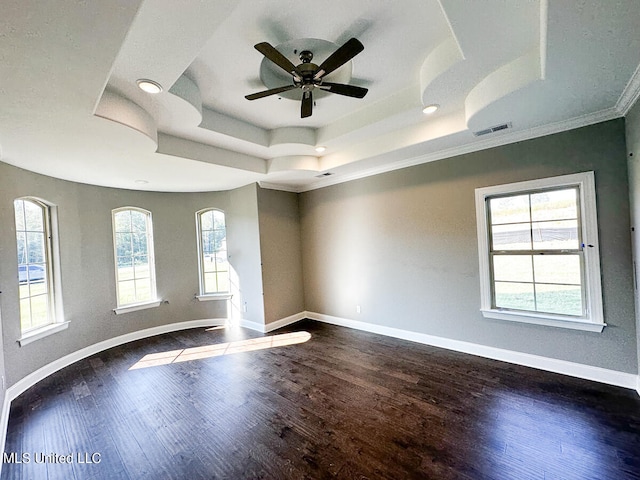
x: 320, y: 149
x: 429, y: 109
x: 142, y: 182
x: 149, y: 86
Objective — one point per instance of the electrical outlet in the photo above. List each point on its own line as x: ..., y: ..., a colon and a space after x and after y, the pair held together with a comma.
x: 244, y: 307
x: 357, y: 308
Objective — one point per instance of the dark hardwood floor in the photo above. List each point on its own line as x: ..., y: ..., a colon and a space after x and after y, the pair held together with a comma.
x: 344, y: 404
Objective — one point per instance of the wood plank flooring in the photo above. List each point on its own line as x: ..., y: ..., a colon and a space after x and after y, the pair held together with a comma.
x: 344, y: 404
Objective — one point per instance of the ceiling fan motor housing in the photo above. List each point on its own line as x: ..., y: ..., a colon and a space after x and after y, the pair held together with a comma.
x: 308, y: 76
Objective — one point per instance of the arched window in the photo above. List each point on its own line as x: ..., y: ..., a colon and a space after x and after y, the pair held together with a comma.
x: 212, y: 252
x: 133, y: 250
x: 35, y: 263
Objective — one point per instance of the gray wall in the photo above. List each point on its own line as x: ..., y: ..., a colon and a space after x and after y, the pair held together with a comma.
x: 243, y: 242
x: 632, y: 123
x: 280, y: 248
x: 403, y: 246
x: 87, y: 264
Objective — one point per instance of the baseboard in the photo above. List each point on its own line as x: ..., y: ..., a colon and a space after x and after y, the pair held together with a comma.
x: 283, y: 322
x: 4, y: 424
x: 587, y: 372
x: 22, y: 385
x: 269, y: 327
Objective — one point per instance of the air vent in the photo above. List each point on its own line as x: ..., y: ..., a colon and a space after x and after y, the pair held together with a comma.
x: 497, y: 128
x: 325, y: 174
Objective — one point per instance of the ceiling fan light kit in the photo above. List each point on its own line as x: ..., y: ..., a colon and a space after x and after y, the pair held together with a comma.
x: 308, y: 76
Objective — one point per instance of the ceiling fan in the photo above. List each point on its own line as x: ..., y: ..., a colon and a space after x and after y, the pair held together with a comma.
x: 308, y: 76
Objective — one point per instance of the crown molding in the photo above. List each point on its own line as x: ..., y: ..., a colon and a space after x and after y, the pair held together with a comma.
x: 630, y: 94
x: 503, y: 138
x: 276, y: 186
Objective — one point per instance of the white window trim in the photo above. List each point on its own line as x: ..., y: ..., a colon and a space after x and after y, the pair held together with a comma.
x: 58, y: 322
x: 214, y: 296
x: 131, y: 307
x: 38, y: 333
x: 202, y: 296
x: 594, y: 319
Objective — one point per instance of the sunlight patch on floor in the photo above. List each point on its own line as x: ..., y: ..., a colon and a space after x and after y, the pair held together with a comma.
x: 219, y: 349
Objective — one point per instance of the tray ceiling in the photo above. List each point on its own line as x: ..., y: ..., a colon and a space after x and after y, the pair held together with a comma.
x: 71, y: 107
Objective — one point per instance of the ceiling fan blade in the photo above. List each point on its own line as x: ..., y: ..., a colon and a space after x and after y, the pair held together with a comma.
x: 307, y: 104
x: 276, y: 57
x: 338, y: 58
x: 266, y: 93
x: 342, y: 89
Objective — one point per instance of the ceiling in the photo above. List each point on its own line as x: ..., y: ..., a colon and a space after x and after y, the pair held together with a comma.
x: 70, y: 106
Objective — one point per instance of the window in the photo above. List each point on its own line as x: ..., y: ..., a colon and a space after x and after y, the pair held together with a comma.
x: 36, y: 241
x: 212, y: 252
x: 133, y: 244
x: 538, y: 245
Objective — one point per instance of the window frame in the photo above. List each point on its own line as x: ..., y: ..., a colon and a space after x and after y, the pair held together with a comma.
x: 154, y: 301
x: 203, y: 295
x: 55, y: 312
x: 593, y: 317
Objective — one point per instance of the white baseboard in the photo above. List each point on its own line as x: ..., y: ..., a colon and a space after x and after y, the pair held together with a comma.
x: 638, y: 384
x: 22, y: 385
x: 283, y: 322
x: 587, y: 372
x: 269, y: 327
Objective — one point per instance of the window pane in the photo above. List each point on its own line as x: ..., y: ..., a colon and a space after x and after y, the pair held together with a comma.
x: 509, y: 209
x: 35, y: 247
x: 33, y: 217
x: 221, y: 260
x: 206, y: 221
x: 561, y: 299
x: 210, y: 285
x: 18, y: 207
x: 138, y: 222
x: 519, y: 296
x: 122, y: 221
x: 143, y: 290
x: 25, y: 312
x: 223, y: 281
x: 39, y: 310
x: 557, y: 269
x: 24, y: 290
x: 125, y: 269
x: 209, y: 263
x: 126, y: 292
x: 513, y: 268
x: 554, y: 205
x: 123, y: 245
x: 219, y: 240
x: 207, y: 242
x: 21, y: 243
x: 560, y: 235
x: 511, y: 237
x: 39, y: 288
x: 37, y: 273
x: 218, y: 220
x: 139, y: 241
x: 141, y: 268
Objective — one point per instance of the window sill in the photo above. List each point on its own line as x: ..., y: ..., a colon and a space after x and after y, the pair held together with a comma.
x: 214, y: 296
x: 137, y: 306
x: 39, y: 333
x: 548, y: 320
